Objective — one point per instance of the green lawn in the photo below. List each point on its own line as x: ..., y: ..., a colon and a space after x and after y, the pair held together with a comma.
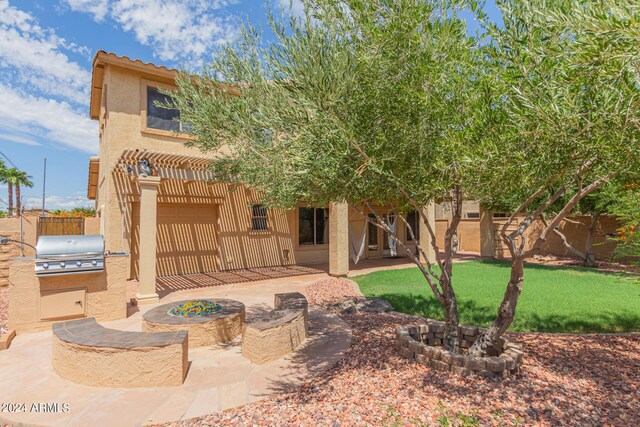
x: 554, y: 299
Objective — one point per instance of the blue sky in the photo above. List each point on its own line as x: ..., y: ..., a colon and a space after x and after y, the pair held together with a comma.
x: 46, y: 48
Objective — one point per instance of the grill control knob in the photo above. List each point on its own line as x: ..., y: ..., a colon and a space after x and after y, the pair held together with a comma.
x: 45, y: 265
x: 62, y: 264
x: 79, y: 263
x: 94, y: 262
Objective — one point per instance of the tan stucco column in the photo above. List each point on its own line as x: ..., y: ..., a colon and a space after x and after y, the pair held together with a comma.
x: 148, y: 226
x: 425, y: 238
x: 487, y: 233
x: 338, y: 239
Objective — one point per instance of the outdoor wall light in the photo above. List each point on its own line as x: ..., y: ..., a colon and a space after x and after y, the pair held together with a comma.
x: 145, y: 167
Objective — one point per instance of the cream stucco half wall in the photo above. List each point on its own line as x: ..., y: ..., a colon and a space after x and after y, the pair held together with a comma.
x: 105, y: 294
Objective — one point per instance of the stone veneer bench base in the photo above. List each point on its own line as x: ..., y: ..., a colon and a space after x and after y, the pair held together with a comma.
x: 423, y: 343
x: 218, y: 328
x: 272, y: 335
x: 87, y: 353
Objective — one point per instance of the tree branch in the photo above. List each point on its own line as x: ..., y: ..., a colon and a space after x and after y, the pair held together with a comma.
x: 565, y: 211
x: 564, y: 240
x: 382, y: 225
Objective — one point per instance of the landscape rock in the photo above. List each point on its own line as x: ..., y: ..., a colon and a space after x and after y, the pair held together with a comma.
x: 373, y: 305
x: 564, y: 380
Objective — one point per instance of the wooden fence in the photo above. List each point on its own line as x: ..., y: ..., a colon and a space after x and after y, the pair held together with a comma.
x: 58, y: 226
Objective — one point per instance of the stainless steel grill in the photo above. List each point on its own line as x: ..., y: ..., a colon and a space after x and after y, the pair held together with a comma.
x: 56, y: 255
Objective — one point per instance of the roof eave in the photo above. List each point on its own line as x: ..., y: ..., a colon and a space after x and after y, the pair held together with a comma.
x: 103, y: 58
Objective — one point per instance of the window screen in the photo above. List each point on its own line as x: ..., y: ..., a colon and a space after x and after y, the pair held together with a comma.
x: 259, y: 218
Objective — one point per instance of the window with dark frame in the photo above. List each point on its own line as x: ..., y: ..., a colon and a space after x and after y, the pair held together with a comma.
x: 413, y: 219
x: 163, y: 118
x: 313, y: 226
x: 259, y: 218
x: 373, y: 233
x: 385, y: 235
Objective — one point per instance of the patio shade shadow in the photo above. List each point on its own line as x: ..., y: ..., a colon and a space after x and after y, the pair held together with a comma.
x: 168, y: 284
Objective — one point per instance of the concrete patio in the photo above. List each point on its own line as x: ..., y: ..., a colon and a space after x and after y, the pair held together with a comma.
x: 219, y: 377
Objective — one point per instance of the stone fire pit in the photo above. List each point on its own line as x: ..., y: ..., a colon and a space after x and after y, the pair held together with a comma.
x: 208, y: 321
x: 423, y: 343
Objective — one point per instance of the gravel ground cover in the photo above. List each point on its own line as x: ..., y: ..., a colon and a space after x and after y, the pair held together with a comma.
x: 4, y: 308
x: 326, y: 291
x: 590, y: 380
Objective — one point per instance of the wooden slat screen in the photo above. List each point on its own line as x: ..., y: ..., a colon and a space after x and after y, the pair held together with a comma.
x: 53, y: 226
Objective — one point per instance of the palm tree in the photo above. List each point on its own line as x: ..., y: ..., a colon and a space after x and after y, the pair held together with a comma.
x: 15, y: 177
x: 4, y: 178
x: 22, y: 180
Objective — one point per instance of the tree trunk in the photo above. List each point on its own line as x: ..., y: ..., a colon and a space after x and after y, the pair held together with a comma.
x: 452, y: 320
x: 10, y: 187
x: 445, y: 294
x: 451, y: 340
x: 589, y: 258
x: 18, y: 201
x: 506, y: 311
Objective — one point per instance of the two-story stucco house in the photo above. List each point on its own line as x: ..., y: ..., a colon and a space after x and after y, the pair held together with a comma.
x: 173, y: 220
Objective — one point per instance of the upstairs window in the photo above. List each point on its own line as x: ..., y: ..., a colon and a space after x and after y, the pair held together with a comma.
x: 259, y: 218
x: 313, y: 226
x: 160, y: 118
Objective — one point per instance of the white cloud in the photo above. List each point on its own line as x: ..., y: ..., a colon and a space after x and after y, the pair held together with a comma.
x: 97, y: 8
x: 294, y: 7
x: 176, y: 30
x: 57, y: 202
x: 46, y: 118
x: 20, y: 139
x: 36, y: 57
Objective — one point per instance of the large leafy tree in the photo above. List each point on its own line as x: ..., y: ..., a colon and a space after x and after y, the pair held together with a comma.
x: 383, y: 104
x: 571, y: 90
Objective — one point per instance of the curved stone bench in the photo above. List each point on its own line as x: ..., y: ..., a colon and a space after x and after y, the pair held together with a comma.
x: 221, y: 327
x: 87, y: 353
x: 274, y: 334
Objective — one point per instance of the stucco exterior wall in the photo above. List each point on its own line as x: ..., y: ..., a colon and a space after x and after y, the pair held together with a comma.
x: 105, y: 293
x: 239, y: 246
x: 575, y: 231
x: 469, y: 207
x: 468, y: 234
x: 122, y: 128
x: 92, y: 225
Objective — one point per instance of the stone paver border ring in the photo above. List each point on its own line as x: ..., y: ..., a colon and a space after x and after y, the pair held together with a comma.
x: 218, y: 328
